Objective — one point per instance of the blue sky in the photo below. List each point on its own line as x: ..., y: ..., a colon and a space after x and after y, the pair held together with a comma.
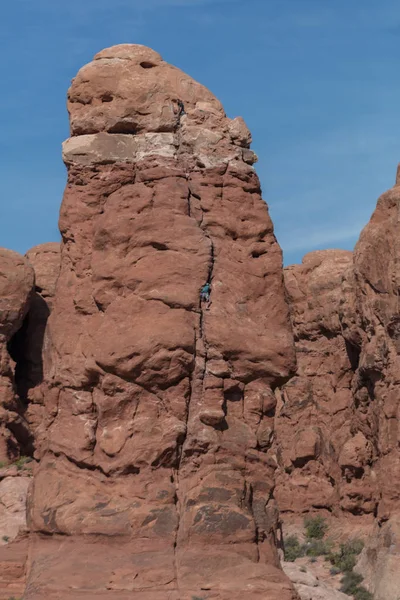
x: 316, y: 81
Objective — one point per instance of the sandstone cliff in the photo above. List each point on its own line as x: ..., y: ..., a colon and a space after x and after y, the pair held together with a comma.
x: 16, y: 289
x: 337, y: 426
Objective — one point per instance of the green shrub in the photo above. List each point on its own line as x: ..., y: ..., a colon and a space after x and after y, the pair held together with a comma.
x: 316, y: 527
x: 292, y: 548
x: 22, y: 461
x: 355, y: 546
x: 315, y: 547
x: 5, y: 538
x: 350, y: 583
x: 345, y: 560
x: 363, y: 594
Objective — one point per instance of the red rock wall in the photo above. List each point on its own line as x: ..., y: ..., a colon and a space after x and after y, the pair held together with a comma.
x: 29, y: 344
x: 337, y: 424
x: 16, y: 289
x: 16, y: 292
x: 156, y: 478
x: 373, y: 326
x: 315, y: 414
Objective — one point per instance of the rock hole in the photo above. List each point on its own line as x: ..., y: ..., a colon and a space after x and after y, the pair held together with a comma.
x: 258, y: 253
x: 107, y: 98
x: 147, y: 65
x: 300, y: 461
x: 234, y: 394
x: 130, y: 470
x: 353, y: 354
x: 221, y: 426
x: 270, y: 413
x: 124, y: 127
x: 159, y: 246
x: 28, y: 357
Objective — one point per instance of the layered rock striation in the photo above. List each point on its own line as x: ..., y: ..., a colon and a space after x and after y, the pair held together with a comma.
x: 156, y: 478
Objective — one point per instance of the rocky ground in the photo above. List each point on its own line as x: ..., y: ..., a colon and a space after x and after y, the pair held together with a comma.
x: 313, y: 580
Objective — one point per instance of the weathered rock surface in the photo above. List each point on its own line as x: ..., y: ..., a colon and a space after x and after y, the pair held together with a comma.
x: 314, y: 415
x: 32, y: 342
x: 16, y: 292
x: 13, y: 568
x: 158, y: 407
x: 13, y: 495
x: 373, y: 328
x: 310, y: 587
x: 16, y: 288
x: 379, y: 562
x: 337, y: 426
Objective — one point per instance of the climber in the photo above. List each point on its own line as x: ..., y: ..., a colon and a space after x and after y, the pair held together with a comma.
x: 179, y: 112
x: 181, y: 108
x: 205, y: 293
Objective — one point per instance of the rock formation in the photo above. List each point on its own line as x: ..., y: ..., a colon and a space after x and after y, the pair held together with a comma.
x: 310, y: 587
x: 32, y: 343
x: 149, y: 373
x: 314, y: 414
x: 372, y: 326
x: 337, y: 426
x: 16, y: 288
x: 156, y: 477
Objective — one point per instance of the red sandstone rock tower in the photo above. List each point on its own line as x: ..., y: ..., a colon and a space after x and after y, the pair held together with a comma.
x: 155, y: 480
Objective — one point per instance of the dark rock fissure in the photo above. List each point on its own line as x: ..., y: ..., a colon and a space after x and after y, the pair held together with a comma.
x: 196, y: 378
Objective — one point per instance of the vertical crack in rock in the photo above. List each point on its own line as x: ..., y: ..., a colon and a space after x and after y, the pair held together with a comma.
x: 198, y: 373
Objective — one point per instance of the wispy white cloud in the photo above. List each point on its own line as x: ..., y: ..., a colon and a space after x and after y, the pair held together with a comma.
x: 299, y: 240
x: 335, y: 177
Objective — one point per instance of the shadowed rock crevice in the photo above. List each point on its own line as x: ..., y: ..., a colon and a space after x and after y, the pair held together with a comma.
x: 16, y: 290
x: 29, y: 367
